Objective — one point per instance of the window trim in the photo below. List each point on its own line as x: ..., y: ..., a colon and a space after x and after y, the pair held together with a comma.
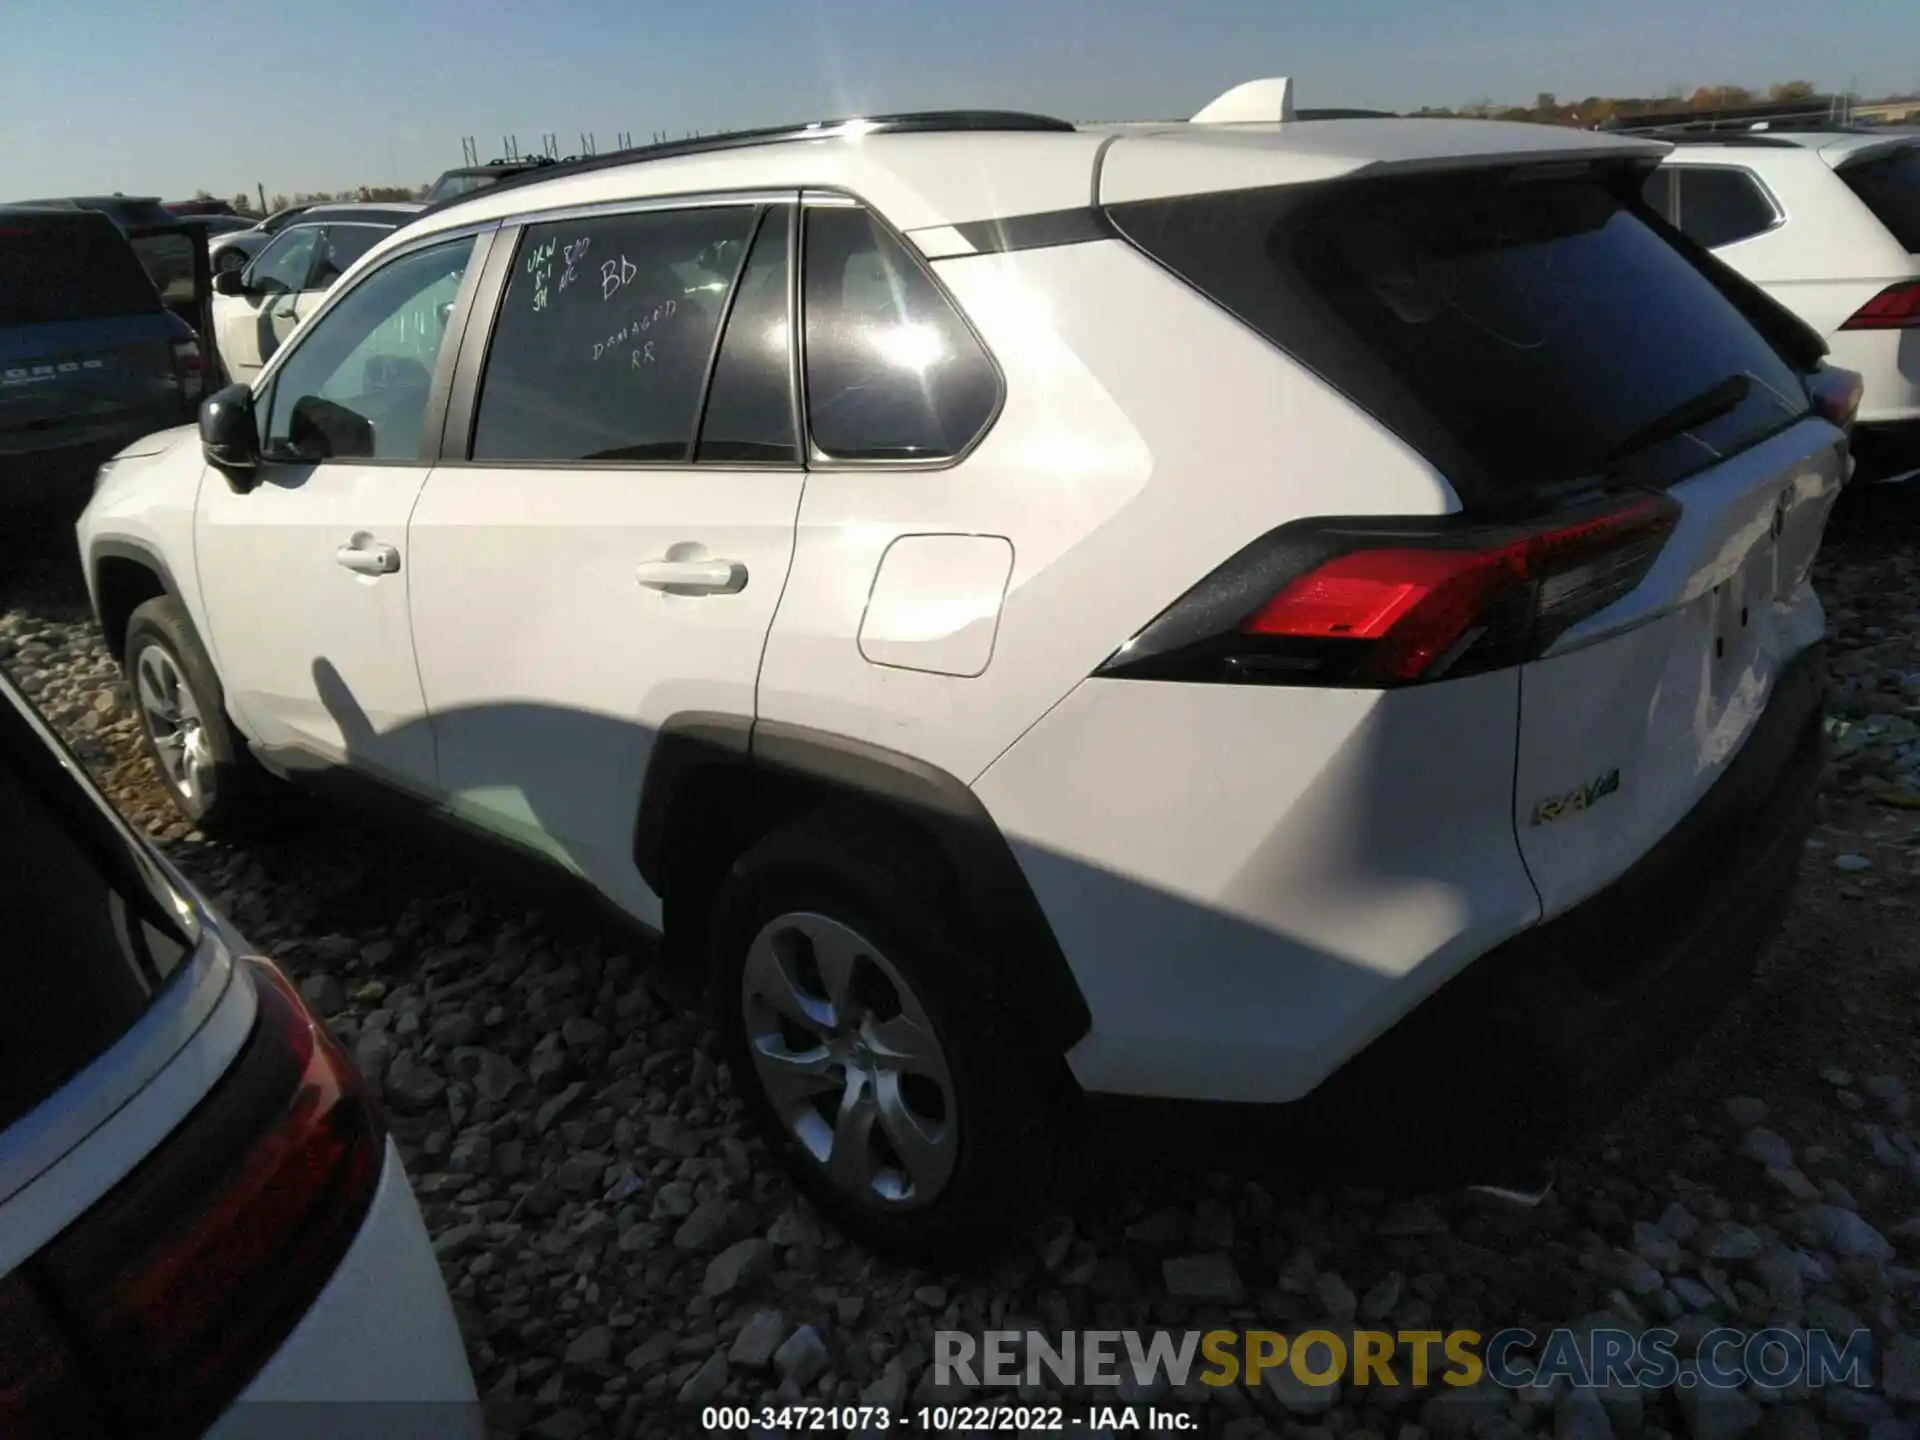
x: 433, y: 422
x: 1753, y: 176
x: 819, y: 460
x: 463, y: 410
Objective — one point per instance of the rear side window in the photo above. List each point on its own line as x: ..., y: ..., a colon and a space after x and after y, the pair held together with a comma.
x: 340, y: 246
x: 1719, y: 206
x: 605, y: 335
x: 69, y: 268
x: 893, y: 372
x: 1524, y: 337
x: 1890, y: 187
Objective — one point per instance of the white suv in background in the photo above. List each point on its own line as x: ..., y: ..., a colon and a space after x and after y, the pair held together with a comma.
x: 1827, y: 222
x: 1191, y: 612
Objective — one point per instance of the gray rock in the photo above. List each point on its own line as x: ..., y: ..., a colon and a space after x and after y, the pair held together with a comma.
x: 1413, y: 1217
x: 1455, y: 1413
x: 1679, y: 1222
x: 412, y: 1084
x: 651, y: 1352
x: 471, y: 1155
x: 1163, y: 1227
x: 1890, y: 1427
x: 1789, y: 1422
x: 753, y: 1347
x: 494, y: 1077
x: 1335, y: 1296
x: 372, y: 1053
x: 451, y: 1031
x: 1746, y: 1111
x: 1768, y: 1148
x: 1900, y: 1370
x: 1847, y: 1235
x: 889, y: 1391
x: 706, y: 1383
x: 580, y: 1033
x: 1713, y: 1414
x: 1579, y: 1415
x: 705, y: 1227
x: 457, y: 1240
x: 803, y: 1357
x: 324, y: 994
x: 1849, y: 1406
x: 1780, y: 1273
x: 1728, y: 1241
x: 794, y: 1226
x: 590, y: 1347
x: 1692, y: 1293
x: 673, y: 1200
x: 1656, y: 1246
x: 736, y: 1267
x: 552, y: 1108
x: 1296, y: 1396
x: 1382, y: 1297
x: 1201, y: 1277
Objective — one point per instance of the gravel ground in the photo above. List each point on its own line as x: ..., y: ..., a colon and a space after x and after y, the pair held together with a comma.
x: 621, y: 1250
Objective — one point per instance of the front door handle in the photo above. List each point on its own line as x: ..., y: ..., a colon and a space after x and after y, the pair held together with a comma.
x: 365, y: 556
x: 693, y: 577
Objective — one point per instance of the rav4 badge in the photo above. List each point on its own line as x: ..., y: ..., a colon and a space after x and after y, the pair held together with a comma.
x: 1556, y: 807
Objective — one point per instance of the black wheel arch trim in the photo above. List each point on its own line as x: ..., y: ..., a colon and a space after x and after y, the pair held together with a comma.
x: 994, y: 886
x: 110, y: 548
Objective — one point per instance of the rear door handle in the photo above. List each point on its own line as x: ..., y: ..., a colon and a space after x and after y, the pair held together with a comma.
x: 693, y: 577
x: 365, y: 556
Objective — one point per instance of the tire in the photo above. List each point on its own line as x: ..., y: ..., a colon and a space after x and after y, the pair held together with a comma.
x: 202, y: 761
x: 980, y: 1097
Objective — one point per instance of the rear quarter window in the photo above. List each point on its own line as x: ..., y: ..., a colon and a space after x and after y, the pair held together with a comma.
x: 1525, y: 337
x: 1889, y: 186
x: 69, y: 267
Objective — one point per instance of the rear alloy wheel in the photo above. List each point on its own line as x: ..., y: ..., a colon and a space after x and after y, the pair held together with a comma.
x: 873, y: 1038
x: 848, y: 1060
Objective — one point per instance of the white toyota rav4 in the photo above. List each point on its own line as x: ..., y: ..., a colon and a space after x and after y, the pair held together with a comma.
x: 1043, y: 613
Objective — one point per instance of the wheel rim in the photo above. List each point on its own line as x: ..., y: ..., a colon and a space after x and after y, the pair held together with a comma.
x: 849, y: 1060
x: 174, y: 724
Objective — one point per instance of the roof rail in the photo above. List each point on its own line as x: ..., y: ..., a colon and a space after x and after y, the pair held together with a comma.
x: 925, y: 122
x: 1820, y: 112
x: 1253, y: 102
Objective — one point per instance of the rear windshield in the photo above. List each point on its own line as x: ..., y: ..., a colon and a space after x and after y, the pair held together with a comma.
x: 1890, y: 187
x: 1526, y: 337
x: 89, y: 936
x: 69, y: 268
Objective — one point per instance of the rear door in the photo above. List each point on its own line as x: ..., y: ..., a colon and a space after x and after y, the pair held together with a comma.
x: 1558, y: 345
x: 85, y: 348
x: 604, y: 549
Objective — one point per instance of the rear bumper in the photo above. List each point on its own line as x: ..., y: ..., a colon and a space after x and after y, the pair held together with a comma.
x: 379, y: 1354
x: 63, y: 475
x: 1565, y: 1022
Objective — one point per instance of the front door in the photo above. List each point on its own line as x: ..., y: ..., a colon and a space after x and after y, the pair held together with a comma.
x: 250, y: 326
x: 304, y: 577
x: 606, y: 559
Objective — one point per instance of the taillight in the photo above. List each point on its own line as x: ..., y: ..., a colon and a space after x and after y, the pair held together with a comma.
x: 1895, y: 308
x: 180, y: 1284
x: 1395, y: 602
x: 1836, y: 394
x: 189, y: 368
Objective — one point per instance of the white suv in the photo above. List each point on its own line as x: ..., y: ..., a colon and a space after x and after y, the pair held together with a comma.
x: 1827, y: 222
x: 1045, y: 613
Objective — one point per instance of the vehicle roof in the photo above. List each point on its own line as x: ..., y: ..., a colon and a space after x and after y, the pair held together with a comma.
x: 376, y: 212
x: 1837, y: 147
x: 924, y: 176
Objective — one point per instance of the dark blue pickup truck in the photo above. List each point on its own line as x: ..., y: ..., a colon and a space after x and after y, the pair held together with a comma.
x: 90, y: 359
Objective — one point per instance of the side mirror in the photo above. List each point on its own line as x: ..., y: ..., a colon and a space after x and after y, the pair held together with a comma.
x: 229, y: 435
x: 227, y: 281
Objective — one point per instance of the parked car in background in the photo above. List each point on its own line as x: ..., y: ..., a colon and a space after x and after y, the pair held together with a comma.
x: 202, y: 207
x: 465, y: 179
x: 89, y: 357
x: 1826, y: 220
x: 1148, y: 613
x: 232, y: 251
x: 164, y: 246
x: 255, y: 308
x: 200, y: 1210
x: 212, y: 225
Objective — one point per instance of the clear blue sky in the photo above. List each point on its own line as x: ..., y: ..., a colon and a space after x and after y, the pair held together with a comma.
x: 164, y: 96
